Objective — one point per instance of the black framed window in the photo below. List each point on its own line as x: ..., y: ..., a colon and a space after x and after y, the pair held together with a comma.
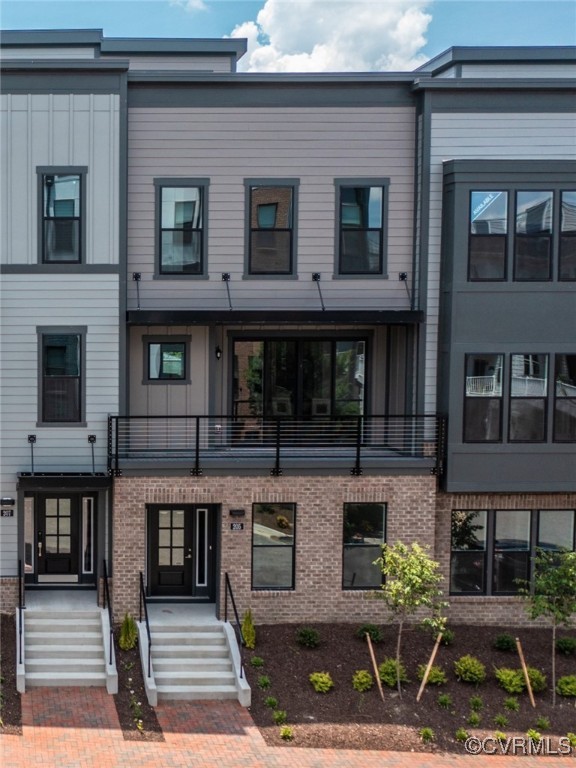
x: 166, y: 361
x: 61, y: 218
x: 528, y: 398
x: 492, y: 550
x: 181, y: 229
x: 565, y: 398
x: 61, y: 398
x: 533, y: 236
x: 273, y: 549
x: 364, y: 532
x: 271, y: 229
x: 567, y: 268
x: 483, y: 398
x: 487, y: 235
x: 361, y: 228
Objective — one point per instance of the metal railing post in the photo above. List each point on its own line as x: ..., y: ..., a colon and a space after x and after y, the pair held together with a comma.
x: 357, y: 469
x: 276, y: 471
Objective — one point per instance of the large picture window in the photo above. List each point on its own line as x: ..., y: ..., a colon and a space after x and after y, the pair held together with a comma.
x: 61, y: 380
x: 483, y: 398
x: 488, y: 229
x: 528, y: 398
x: 61, y: 218
x: 565, y: 399
x: 533, y: 242
x: 492, y: 550
x: 361, y: 227
x: 273, y: 534
x: 271, y: 228
x: 364, y: 532
x: 181, y: 227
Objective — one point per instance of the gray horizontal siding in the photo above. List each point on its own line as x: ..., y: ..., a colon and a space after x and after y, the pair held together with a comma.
x: 541, y: 70
x: 181, y: 63
x: 228, y: 145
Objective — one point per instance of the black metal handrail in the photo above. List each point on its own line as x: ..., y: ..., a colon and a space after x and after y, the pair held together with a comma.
x: 106, y: 603
x: 144, y: 605
x: 196, y: 439
x: 237, y: 625
x: 21, y: 607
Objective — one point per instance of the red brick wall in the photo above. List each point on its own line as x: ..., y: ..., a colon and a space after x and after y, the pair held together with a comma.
x: 318, y: 595
x: 8, y: 595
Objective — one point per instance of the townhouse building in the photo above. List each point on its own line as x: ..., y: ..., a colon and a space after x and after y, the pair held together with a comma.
x: 254, y: 326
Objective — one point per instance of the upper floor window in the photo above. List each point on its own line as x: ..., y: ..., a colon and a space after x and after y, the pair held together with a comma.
x: 166, y: 360
x: 361, y: 227
x: 541, y: 240
x: 61, y: 380
x: 271, y: 225
x: 565, y: 399
x: 61, y: 218
x: 483, y: 398
x: 528, y: 398
x: 181, y: 226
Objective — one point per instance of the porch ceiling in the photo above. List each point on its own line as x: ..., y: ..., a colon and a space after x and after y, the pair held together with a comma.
x: 248, y: 317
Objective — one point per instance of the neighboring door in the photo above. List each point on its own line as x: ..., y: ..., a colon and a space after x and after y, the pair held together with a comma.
x: 181, y: 551
x: 57, y: 542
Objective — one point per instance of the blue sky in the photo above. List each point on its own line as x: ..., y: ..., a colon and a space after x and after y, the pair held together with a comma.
x: 315, y: 35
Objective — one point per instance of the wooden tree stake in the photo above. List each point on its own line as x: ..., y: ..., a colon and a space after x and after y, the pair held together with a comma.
x: 429, y: 667
x: 369, y: 641
x: 525, y: 670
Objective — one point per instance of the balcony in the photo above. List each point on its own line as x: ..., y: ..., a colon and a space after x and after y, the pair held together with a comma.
x: 353, y: 444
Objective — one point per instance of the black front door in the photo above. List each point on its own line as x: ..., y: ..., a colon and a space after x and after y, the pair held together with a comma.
x: 181, y: 551
x: 57, y: 538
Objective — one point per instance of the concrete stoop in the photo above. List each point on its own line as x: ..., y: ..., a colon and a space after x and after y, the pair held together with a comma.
x: 64, y: 648
x: 192, y: 663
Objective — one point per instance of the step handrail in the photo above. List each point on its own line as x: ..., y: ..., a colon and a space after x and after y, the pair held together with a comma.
x: 143, y: 603
x: 108, y: 604
x: 237, y: 625
x: 21, y: 607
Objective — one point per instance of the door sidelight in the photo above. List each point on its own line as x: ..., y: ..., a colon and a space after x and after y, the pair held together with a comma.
x: 40, y: 541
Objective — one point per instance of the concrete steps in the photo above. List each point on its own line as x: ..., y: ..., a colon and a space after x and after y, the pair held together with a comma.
x: 192, y: 662
x: 63, y: 648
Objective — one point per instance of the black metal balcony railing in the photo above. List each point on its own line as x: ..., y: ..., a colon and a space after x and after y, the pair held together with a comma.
x: 200, y: 439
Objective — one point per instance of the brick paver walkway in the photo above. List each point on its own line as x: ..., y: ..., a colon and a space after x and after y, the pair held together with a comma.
x: 78, y: 728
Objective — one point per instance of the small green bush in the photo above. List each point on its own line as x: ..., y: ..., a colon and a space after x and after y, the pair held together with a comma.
x: 362, y: 680
x: 533, y: 734
x: 469, y: 669
x: 499, y: 736
x: 566, y: 686
x: 372, y: 630
x: 511, y: 680
x: 388, y: 674
x: 461, y: 734
x: 308, y: 637
x: 474, y: 719
x: 279, y: 716
x: 263, y: 682
x: 447, y: 637
x: 427, y: 735
x: 501, y: 720
x: 511, y: 704
x: 249, y: 630
x: 128, y: 633
x: 271, y: 702
x: 321, y: 681
x: 286, y: 733
x: 437, y: 676
x: 504, y: 642
x: 445, y: 701
x: 566, y: 645
x: 476, y: 703
x: 543, y: 723
x: 537, y: 680
x: 257, y: 661
x: 571, y: 738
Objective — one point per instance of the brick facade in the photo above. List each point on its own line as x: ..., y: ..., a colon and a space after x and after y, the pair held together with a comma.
x: 8, y: 595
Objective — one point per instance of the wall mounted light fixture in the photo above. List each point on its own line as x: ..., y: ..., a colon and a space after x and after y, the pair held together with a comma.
x: 218, y: 352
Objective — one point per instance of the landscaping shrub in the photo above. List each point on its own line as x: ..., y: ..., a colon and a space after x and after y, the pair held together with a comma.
x: 476, y: 703
x: 566, y: 686
x: 263, y: 682
x: 511, y: 680
x: 427, y: 735
x: 445, y: 701
x: 537, y: 680
x: 566, y: 645
x: 447, y: 637
x: 372, y: 630
x: 469, y: 669
x: 248, y: 630
x: 474, y: 719
x: 362, y: 680
x: 504, y: 642
x: 271, y: 702
x: 308, y: 637
x: 286, y: 733
x: 128, y: 633
x: 437, y: 676
x: 388, y: 672
x: 257, y: 661
x: 501, y: 721
x: 321, y: 681
x: 461, y: 734
x: 511, y: 704
x: 279, y: 716
x: 543, y: 723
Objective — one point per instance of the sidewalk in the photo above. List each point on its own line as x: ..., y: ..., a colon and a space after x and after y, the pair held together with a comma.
x: 78, y: 728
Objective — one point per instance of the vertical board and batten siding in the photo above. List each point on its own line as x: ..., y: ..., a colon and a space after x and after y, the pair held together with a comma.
x: 39, y: 130
x: 229, y: 145
x: 522, y: 136
x: 53, y: 300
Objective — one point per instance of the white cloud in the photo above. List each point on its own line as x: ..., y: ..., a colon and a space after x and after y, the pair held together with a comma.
x: 190, y: 5
x: 335, y: 36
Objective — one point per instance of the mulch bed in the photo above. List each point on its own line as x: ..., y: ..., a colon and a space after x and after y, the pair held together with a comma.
x: 131, y: 689
x: 10, y: 705
x: 345, y: 718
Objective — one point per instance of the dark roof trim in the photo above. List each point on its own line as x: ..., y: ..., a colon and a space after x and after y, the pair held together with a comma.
x: 77, y: 65
x: 499, y: 55
x: 70, y: 480
x: 265, y: 78
x: 251, y: 317
x: 493, y: 84
x: 51, y: 37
